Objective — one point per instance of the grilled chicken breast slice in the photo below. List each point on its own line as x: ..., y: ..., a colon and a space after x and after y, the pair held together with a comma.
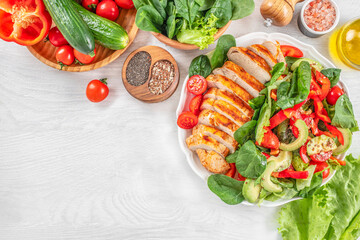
x: 216, y: 134
x: 241, y: 77
x: 252, y: 63
x: 264, y: 53
x: 275, y: 50
x: 224, y: 83
x: 215, y: 119
x: 225, y: 109
x: 195, y: 142
x: 212, y: 161
x: 230, y: 98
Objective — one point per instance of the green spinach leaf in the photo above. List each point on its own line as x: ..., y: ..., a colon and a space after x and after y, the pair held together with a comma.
x: 290, y: 61
x: 222, y: 10
x: 242, y: 8
x: 187, y: 9
x: 276, y: 72
x: 333, y: 74
x: 171, y: 26
x: 206, y: 5
x: 223, y: 45
x: 156, y: 4
x: 245, y: 132
x: 256, y: 103
x: 344, y: 113
x: 226, y: 188
x: 200, y: 66
x: 250, y: 163
x: 148, y: 19
x: 232, y: 157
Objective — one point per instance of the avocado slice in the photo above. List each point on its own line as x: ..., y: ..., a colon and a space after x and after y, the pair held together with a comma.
x: 302, y: 183
x: 303, y: 135
x: 347, y: 141
x: 320, y: 144
x: 313, y: 63
x: 266, y: 178
x: 251, y: 191
x: 263, y: 121
x: 298, y: 163
x: 283, y: 160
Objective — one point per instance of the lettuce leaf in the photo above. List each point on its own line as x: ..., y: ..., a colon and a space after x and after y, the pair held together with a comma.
x: 331, y: 213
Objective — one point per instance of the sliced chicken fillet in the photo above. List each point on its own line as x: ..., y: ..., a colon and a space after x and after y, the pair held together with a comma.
x: 216, y: 134
x: 264, y: 53
x: 275, y: 50
x: 230, y: 98
x: 252, y: 63
x: 215, y: 119
x: 195, y: 142
x: 212, y: 161
x: 224, y: 83
x: 241, y: 77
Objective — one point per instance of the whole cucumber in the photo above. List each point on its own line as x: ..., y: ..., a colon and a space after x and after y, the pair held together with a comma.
x: 71, y: 25
x: 107, y: 33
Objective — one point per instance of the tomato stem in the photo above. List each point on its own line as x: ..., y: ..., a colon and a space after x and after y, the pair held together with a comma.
x: 103, y: 80
x: 61, y: 65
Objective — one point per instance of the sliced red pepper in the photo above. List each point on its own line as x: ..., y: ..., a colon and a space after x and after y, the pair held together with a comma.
x: 303, y: 154
x: 321, y: 157
x: 320, y: 111
x: 314, y: 127
x: 287, y: 173
x: 239, y: 177
x: 270, y: 140
x: 341, y: 162
x: 266, y: 155
x: 336, y: 133
x: 315, y: 89
x: 24, y: 22
x: 282, y: 115
x: 325, y: 84
x: 231, y: 171
x: 277, y: 119
x: 273, y: 94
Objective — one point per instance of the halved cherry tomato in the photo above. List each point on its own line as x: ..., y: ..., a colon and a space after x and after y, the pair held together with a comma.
x: 65, y: 55
x: 83, y: 58
x: 325, y: 84
x: 197, y: 85
x: 126, y: 4
x: 187, y: 120
x: 97, y: 90
x: 291, y: 51
x: 303, y: 155
x: 231, y: 172
x: 56, y: 38
x: 320, y: 167
x: 90, y: 4
x: 195, y: 104
x: 321, y: 157
x: 108, y: 9
x: 334, y: 95
x: 270, y: 140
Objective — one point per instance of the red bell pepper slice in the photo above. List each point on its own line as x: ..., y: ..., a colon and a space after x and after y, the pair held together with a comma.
x: 266, y: 155
x: 320, y: 111
x: 270, y: 140
x: 325, y: 84
x: 239, y: 177
x: 336, y: 133
x: 303, y: 155
x: 25, y: 22
x: 315, y: 89
x: 321, y: 157
x: 277, y: 119
x: 341, y: 162
x: 231, y: 171
x: 288, y: 173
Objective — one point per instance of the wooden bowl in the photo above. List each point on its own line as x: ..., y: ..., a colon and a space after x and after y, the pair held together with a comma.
x: 184, y: 46
x: 142, y: 92
x: 45, y: 51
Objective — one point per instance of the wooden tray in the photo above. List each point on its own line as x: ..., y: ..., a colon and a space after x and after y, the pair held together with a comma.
x: 184, y: 46
x: 45, y: 51
x: 142, y: 92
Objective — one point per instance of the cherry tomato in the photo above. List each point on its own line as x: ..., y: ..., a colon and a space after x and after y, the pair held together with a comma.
x: 65, y: 55
x: 232, y: 170
x: 270, y: 140
x: 195, y: 104
x: 291, y: 51
x: 321, y: 157
x: 239, y: 177
x: 334, y: 95
x: 97, y: 90
x: 90, y: 4
x: 83, y: 58
x: 320, y: 167
x: 108, y: 9
x: 197, y: 85
x: 187, y: 120
x: 126, y: 4
x: 56, y: 38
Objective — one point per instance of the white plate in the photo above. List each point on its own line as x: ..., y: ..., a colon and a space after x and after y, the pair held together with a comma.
x: 244, y: 41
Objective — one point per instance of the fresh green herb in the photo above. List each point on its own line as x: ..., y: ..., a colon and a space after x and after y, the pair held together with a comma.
x: 245, y: 132
x: 333, y: 74
x: 226, y: 188
x: 276, y: 72
x: 200, y: 66
x: 344, y: 114
x: 250, y: 163
x: 223, y: 45
x: 256, y: 103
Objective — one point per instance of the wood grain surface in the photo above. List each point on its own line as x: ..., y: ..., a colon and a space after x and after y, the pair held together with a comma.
x: 73, y: 169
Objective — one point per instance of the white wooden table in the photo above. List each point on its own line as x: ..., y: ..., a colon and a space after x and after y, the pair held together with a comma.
x: 71, y: 169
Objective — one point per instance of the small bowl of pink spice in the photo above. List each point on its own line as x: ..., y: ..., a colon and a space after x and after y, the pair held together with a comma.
x: 318, y: 17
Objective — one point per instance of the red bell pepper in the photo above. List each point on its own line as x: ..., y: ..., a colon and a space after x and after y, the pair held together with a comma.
x: 273, y: 94
x: 288, y: 173
x: 341, y: 162
x: 303, y: 155
x: 315, y: 89
x: 231, y: 171
x: 270, y: 140
x: 336, y: 133
x: 24, y: 22
x: 282, y: 115
x: 239, y: 177
x: 277, y: 119
x: 266, y: 155
x: 321, y: 157
x: 320, y: 111
x: 325, y: 84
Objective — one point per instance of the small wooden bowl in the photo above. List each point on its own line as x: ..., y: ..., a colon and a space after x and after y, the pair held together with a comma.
x: 184, y: 46
x: 45, y: 51
x: 142, y: 92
